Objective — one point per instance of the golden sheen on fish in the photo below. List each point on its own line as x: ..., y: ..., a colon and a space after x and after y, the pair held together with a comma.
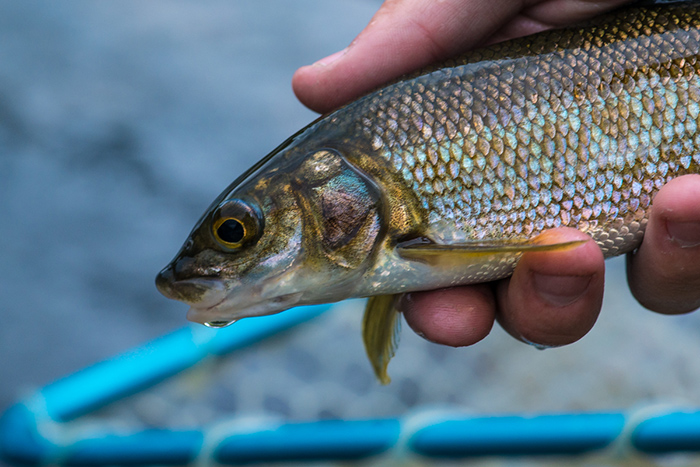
x: 446, y: 176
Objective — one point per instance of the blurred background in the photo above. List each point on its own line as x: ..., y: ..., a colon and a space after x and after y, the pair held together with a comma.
x: 119, y: 124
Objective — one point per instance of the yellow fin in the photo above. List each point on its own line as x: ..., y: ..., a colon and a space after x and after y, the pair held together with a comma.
x: 457, y: 253
x: 381, y: 328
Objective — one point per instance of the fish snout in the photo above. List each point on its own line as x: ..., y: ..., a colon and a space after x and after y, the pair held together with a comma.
x: 202, y: 292
x: 164, y: 280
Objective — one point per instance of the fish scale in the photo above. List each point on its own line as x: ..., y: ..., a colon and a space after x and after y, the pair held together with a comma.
x: 595, y: 119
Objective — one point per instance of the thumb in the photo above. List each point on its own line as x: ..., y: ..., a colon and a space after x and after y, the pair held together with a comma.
x: 404, y: 35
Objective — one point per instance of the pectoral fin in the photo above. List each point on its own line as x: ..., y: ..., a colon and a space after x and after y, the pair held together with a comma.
x: 454, y: 254
x: 381, y: 328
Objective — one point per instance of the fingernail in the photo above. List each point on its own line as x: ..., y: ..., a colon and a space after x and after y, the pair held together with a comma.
x: 685, y: 234
x: 331, y: 58
x: 560, y: 290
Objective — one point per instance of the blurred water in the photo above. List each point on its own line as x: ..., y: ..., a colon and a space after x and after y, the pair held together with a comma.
x: 121, y: 121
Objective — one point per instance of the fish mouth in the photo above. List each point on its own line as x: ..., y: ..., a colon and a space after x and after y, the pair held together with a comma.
x: 228, y: 309
x: 216, y: 302
x: 200, y: 292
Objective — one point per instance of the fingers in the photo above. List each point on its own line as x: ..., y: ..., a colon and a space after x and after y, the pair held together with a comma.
x: 538, y: 15
x: 553, y: 298
x: 403, y: 36
x: 457, y: 316
x: 664, y: 273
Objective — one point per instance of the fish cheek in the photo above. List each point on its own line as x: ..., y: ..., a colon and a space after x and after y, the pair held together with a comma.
x: 341, y: 208
x: 349, y: 220
x: 344, y: 214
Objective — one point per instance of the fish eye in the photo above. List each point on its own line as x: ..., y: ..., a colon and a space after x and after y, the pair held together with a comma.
x: 229, y: 230
x: 236, y: 223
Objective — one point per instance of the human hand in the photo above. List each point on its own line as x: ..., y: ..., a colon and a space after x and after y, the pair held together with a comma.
x: 553, y: 298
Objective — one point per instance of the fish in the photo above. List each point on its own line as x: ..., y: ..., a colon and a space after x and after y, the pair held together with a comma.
x: 447, y: 176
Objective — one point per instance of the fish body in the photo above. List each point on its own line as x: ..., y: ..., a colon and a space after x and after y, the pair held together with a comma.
x: 447, y: 176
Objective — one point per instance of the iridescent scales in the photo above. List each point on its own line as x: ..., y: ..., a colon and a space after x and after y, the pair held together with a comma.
x: 580, y: 133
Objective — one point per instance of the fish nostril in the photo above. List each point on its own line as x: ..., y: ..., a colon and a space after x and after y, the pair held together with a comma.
x: 182, y: 265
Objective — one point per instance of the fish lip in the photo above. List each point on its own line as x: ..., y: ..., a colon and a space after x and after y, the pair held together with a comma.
x: 212, y: 306
x: 215, y: 299
x: 243, y: 301
x: 222, y: 311
x: 204, y: 292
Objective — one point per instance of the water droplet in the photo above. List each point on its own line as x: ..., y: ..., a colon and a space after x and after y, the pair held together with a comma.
x: 219, y: 324
x: 536, y: 345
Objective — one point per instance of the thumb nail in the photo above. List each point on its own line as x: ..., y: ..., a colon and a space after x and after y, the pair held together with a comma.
x: 685, y: 234
x: 560, y: 290
x: 331, y: 58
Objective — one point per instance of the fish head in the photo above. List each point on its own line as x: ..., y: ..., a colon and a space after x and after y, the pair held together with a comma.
x: 296, y: 231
